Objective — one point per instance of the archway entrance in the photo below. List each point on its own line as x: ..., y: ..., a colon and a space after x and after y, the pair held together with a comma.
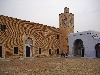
x: 78, y: 48
x: 97, y: 48
x: 28, y: 47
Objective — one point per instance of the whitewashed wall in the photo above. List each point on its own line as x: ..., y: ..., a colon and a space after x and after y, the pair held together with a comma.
x: 89, y: 42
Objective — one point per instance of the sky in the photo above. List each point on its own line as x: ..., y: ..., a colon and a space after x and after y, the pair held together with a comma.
x: 86, y: 12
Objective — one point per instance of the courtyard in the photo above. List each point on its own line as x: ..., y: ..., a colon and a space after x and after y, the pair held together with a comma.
x: 50, y: 66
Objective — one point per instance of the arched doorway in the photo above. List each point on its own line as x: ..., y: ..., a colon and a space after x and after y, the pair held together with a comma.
x: 78, y: 48
x: 28, y: 47
x: 97, y: 48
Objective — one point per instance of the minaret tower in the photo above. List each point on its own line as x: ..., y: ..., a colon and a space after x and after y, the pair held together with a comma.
x: 66, y: 25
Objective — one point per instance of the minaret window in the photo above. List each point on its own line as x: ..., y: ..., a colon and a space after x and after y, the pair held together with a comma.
x: 57, y: 36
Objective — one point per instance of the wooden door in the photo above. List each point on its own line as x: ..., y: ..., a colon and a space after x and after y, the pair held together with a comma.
x: 27, y: 51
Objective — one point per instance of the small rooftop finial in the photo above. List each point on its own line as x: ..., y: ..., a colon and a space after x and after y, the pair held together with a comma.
x: 66, y: 10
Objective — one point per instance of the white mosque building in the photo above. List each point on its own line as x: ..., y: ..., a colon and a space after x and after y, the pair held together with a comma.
x: 84, y: 44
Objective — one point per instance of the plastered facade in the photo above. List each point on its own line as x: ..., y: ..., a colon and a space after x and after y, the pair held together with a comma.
x: 90, y: 40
